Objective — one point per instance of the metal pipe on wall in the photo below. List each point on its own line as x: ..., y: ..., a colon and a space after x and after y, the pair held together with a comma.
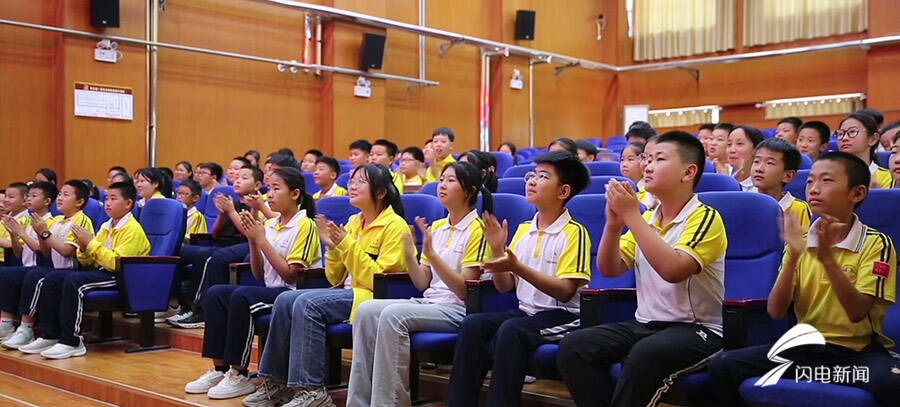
x: 423, y: 11
x: 484, y: 103
x: 153, y: 82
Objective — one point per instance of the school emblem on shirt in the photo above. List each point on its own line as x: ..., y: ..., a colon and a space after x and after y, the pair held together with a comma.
x: 850, y: 272
x: 881, y: 269
x: 459, y: 248
x: 554, y: 258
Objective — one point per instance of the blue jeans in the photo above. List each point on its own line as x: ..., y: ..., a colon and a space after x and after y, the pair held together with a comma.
x: 295, y: 349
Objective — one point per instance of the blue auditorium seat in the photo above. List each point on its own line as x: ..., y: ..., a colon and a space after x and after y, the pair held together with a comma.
x: 145, y: 282
x: 511, y: 186
x: 175, y: 184
x: 423, y: 205
x: 805, y: 162
x: 201, y: 204
x: 336, y: 208
x: 211, y: 213
x: 883, y: 158
x: 595, y: 141
x: 616, y: 143
x: 879, y: 211
x: 518, y: 171
x: 768, y: 133
x: 343, y: 179
x: 346, y: 166
x: 717, y: 182
x: 598, y: 184
x: 54, y: 210
x: 797, y: 186
x: 311, y: 186
x: 709, y: 167
x: 598, y: 168
x: 504, y: 161
x: 514, y: 209
x: 833, y: 145
x: 95, y: 210
x: 429, y: 189
x: 101, y: 193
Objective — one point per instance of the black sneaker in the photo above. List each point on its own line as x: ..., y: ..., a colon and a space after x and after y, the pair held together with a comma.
x: 193, y: 321
x: 183, y: 312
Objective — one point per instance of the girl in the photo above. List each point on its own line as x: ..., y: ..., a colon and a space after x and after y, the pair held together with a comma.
x: 253, y: 157
x: 510, y: 148
x: 858, y: 135
x: 372, y: 242
x: 278, y: 249
x: 742, y: 142
x: 632, y: 166
x: 452, y: 251
x: 151, y: 183
x: 184, y: 171
x: 485, y: 162
x: 788, y: 129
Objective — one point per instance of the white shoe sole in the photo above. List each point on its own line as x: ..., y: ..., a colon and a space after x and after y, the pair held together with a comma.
x: 236, y: 393
x: 70, y: 354
x: 34, y: 351
x: 188, y: 326
x: 13, y: 347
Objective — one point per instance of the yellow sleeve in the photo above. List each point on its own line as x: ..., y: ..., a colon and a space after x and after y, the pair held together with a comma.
x: 575, y: 260
x: 520, y: 231
x: 128, y: 241
x: 199, y: 225
x: 398, y: 181
x: 627, y: 244
x: 884, y: 178
x: 389, y: 257
x: 307, y: 248
x: 80, y: 220
x: 316, y: 195
x: 478, y: 250
x: 878, y: 268
x: 340, y: 191
x: 801, y: 210
x: 795, y: 284
x: 704, y: 236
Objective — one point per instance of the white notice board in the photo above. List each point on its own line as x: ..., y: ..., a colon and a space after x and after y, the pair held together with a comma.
x: 105, y: 101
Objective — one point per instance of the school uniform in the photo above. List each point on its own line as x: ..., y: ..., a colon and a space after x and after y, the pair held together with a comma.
x: 195, y: 224
x: 868, y: 259
x: 398, y: 180
x: 23, y: 219
x: 335, y: 190
x: 11, y: 278
x: 561, y: 250
x: 798, y: 207
x: 156, y: 195
x: 415, y: 181
x: 882, y: 176
x: 684, y: 316
x: 433, y: 174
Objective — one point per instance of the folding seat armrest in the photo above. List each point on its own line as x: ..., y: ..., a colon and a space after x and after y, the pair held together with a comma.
x: 483, y: 296
x: 313, y: 277
x: 235, y: 270
x: 604, y: 305
x: 395, y: 286
x: 146, y: 281
x: 747, y: 322
x: 202, y: 239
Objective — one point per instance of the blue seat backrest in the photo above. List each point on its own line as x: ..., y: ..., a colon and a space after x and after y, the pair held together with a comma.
x: 717, y: 182
x: 163, y: 221
x: 598, y: 184
x: 518, y: 170
x: 95, y: 210
x: 879, y: 211
x: 201, y: 204
x: 590, y: 211
x: 175, y: 184
x: 891, y: 326
x: 616, y: 141
x: 311, y: 186
x: 101, y: 194
x: 513, y: 208
x: 833, y: 146
x: 709, y: 167
x: 54, y: 210
x: 797, y: 186
x: 529, y: 151
x: 346, y: 166
x: 343, y: 179
x: 805, y: 162
x: 511, y: 186
x: 429, y: 189
x: 595, y: 141
x: 883, y: 158
x: 336, y: 209
x: 504, y: 161
x: 603, y: 168
x: 768, y: 133
x: 755, y: 246
x: 426, y: 206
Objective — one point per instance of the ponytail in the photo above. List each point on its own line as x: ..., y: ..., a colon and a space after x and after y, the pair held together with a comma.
x: 380, y: 179
x: 487, y: 164
x: 295, y: 180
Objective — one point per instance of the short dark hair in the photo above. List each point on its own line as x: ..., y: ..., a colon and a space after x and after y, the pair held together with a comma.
x: 49, y: 190
x: 753, y: 134
x: 445, y: 131
x: 194, y: 186
x: 283, y: 160
x: 117, y: 168
x: 254, y: 153
x: 875, y: 114
x: 49, y: 174
x: 416, y: 152
x: 724, y: 126
x: 707, y: 126
x: 363, y: 145
x: 214, y: 168
x: 20, y: 186
x: 586, y: 145
x: 286, y: 151
x: 83, y: 191
x: 258, y: 173
x: 243, y: 160
x: 314, y: 152
x: 789, y: 152
x: 127, y: 190
x: 640, y: 129
x: 821, y: 128
x: 793, y: 121
x: 567, y: 144
x: 689, y: 149
x: 388, y: 145
x: 569, y: 168
x: 637, y: 145
x: 888, y: 127
x: 331, y: 162
x: 167, y: 171
x: 857, y: 170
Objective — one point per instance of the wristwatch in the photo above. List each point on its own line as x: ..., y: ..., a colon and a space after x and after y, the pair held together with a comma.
x: 45, y: 235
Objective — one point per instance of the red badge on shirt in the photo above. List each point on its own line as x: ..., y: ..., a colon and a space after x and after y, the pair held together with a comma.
x: 881, y: 269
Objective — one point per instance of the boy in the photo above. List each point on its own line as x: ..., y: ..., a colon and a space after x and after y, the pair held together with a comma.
x: 546, y: 264
x: 327, y: 170
x: 678, y: 255
x: 639, y: 131
x: 25, y: 244
x: 412, y: 166
x: 788, y: 129
x: 775, y: 164
x: 704, y: 134
x: 441, y: 145
x: 121, y: 236
x: 14, y: 203
x: 813, y: 137
x: 887, y: 134
x: 309, y: 160
x: 208, y: 175
x: 428, y: 152
x: 359, y: 153
x: 384, y: 152
x: 894, y: 162
x: 587, y: 151
x: 840, y: 279
x: 718, y: 148
x: 189, y: 193
x: 58, y: 241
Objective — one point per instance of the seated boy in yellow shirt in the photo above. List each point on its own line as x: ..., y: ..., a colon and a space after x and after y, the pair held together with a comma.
x: 775, y: 164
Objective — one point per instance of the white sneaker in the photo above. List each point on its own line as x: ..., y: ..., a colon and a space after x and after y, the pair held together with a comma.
x: 37, y: 346
x: 179, y: 316
x: 232, y: 385
x: 160, y: 317
x: 269, y: 394
x: 63, y: 351
x: 23, y: 336
x: 202, y: 385
x: 6, y: 331
x: 311, y: 398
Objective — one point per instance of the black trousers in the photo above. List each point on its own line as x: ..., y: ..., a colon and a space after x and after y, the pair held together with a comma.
x: 730, y: 369
x: 505, y: 338
x: 653, y: 355
x: 71, y: 303
x: 209, y: 266
x: 11, y: 280
x: 229, y: 312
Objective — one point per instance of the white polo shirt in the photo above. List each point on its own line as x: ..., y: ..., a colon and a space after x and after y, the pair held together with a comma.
x: 561, y: 250
x: 297, y: 241
x: 699, y: 231
x: 29, y: 258
x: 62, y: 228
x: 461, y: 245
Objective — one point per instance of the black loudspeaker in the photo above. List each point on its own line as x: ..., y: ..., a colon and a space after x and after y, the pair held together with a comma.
x: 372, y: 54
x: 105, y: 13
x: 524, y: 24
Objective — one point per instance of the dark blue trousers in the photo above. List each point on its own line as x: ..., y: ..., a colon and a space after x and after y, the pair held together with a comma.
x: 11, y: 280
x: 229, y: 313
x: 71, y: 303
x: 210, y: 265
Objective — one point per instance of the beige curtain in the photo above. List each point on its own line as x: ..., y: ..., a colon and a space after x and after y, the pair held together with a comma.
x: 676, y: 28
x: 680, y: 119
x: 807, y: 109
x: 774, y: 21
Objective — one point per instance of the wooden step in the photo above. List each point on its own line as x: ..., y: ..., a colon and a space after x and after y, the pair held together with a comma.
x: 18, y: 391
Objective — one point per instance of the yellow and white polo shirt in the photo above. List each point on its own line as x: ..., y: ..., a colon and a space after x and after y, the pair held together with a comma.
x: 461, y: 245
x: 297, y: 241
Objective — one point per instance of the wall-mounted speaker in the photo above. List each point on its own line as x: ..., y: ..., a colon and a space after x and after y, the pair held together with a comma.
x: 525, y: 24
x: 105, y: 13
x: 372, y: 54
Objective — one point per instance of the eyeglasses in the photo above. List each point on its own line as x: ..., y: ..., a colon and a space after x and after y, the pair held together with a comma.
x: 207, y: 173
x: 851, y: 133
x: 357, y: 182
x: 538, y: 177
x: 180, y: 194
